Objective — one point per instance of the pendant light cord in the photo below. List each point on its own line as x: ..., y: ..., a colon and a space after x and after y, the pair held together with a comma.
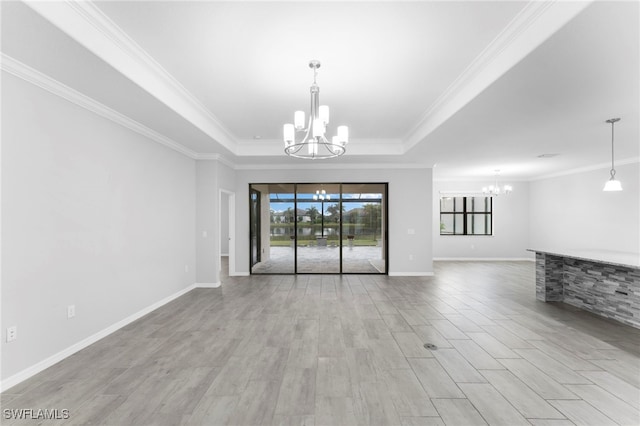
x: 613, y: 171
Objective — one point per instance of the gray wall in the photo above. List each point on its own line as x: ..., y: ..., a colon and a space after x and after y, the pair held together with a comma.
x: 573, y: 212
x: 224, y: 225
x: 212, y: 176
x: 226, y: 177
x: 226, y: 187
x: 207, y: 238
x: 409, y: 208
x: 510, y: 225
x: 93, y: 215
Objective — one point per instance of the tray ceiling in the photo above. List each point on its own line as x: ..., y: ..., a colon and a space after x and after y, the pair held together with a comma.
x: 467, y: 87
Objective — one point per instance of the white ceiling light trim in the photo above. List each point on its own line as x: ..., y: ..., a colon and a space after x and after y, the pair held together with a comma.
x: 35, y: 77
x: 88, y: 25
x: 538, y: 21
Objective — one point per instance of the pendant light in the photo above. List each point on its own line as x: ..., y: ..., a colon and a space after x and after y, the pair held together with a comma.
x: 612, y: 184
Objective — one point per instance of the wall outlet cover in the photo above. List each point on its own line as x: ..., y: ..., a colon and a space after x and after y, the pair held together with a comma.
x: 12, y: 333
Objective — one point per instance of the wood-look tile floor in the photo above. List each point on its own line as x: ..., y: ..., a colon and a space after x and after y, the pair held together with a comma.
x: 348, y: 350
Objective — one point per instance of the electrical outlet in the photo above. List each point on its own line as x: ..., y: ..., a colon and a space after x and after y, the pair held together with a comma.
x: 186, y: 268
x: 71, y: 311
x: 410, y: 257
x: 12, y: 333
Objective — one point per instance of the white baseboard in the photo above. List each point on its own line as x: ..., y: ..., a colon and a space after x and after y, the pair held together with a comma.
x: 411, y: 274
x: 239, y: 274
x: 482, y: 259
x: 54, y: 359
x: 208, y: 285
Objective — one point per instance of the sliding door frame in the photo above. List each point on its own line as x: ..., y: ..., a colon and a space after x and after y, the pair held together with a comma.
x: 385, y: 213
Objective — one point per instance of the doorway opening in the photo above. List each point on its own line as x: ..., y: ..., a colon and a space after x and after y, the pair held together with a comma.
x: 318, y: 228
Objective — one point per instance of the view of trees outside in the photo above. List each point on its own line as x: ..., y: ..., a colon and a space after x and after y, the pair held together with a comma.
x: 362, y: 220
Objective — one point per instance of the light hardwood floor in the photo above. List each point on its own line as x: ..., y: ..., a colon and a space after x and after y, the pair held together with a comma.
x: 332, y: 350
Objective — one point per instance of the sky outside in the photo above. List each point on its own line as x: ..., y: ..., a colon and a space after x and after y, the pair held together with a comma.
x: 281, y: 202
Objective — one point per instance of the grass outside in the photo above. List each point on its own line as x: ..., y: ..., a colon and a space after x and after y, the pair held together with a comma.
x: 364, y: 236
x: 345, y: 242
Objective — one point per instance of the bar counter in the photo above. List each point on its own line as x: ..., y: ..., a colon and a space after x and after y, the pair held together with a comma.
x: 606, y: 283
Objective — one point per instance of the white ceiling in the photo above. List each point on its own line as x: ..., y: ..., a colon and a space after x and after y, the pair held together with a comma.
x: 469, y: 87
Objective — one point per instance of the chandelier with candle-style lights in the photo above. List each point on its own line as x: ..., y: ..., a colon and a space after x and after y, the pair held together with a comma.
x: 321, y: 195
x: 495, y: 190
x: 314, y: 144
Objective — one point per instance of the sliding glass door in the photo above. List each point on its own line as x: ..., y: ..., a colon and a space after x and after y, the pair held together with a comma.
x: 277, y: 237
x: 254, y: 226
x: 323, y: 228
x: 318, y: 226
x: 364, y: 228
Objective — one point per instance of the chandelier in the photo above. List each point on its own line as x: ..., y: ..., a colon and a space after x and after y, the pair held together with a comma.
x: 314, y: 144
x: 321, y: 195
x: 495, y: 190
x: 612, y: 184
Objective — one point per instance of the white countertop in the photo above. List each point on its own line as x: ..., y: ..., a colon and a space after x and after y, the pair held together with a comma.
x: 631, y: 260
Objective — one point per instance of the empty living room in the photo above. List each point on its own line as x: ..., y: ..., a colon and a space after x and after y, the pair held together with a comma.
x: 320, y: 213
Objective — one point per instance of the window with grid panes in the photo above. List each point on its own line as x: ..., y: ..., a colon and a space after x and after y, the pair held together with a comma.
x: 466, y: 216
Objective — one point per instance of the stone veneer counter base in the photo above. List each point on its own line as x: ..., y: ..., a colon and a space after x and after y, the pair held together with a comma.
x: 603, y: 282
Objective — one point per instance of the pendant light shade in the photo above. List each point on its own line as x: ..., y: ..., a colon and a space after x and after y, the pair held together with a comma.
x: 612, y: 184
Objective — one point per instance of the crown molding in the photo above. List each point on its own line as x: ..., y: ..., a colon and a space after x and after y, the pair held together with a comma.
x: 30, y: 75
x: 216, y: 157
x: 478, y: 179
x: 623, y: 162
x: 35, y: 77
x: 535, y: 23
x: 577, y: 170
x: 88, y: 25
x: 318, y: 165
